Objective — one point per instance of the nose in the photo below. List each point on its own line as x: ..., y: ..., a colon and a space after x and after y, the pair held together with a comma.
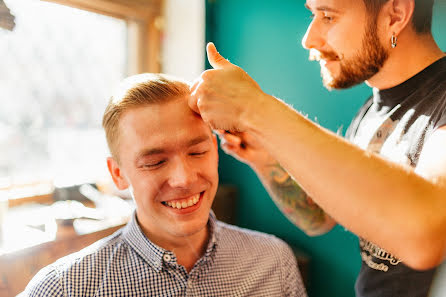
x: 313, y: 37
x: 182, y: 174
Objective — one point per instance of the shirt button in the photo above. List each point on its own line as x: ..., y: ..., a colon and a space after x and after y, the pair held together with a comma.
x: 166, y: 257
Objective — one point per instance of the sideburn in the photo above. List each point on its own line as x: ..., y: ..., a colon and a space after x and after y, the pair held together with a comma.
x: 368, y: 61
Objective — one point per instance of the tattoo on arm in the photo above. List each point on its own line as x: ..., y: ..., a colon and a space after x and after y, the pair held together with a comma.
x: 297, y: 206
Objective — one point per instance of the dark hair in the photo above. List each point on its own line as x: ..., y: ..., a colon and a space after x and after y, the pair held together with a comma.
x: 422, y: 16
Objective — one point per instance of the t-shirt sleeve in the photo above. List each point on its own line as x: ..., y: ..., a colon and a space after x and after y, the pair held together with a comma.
x: 441, y: 121
x: 46, y: 283
x: 353, y: 127
x: 292, y: 283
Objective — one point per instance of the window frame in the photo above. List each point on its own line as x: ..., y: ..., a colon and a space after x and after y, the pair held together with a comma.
x: 144, y: 27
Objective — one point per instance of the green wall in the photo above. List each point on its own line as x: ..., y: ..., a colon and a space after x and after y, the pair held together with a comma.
x: 263, y: 37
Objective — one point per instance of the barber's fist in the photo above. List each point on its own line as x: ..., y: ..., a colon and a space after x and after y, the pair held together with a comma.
x: 226, y: 97
x: 245, y: 148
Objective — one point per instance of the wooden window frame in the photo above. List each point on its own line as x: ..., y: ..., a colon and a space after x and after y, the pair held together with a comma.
x: 144, y: 27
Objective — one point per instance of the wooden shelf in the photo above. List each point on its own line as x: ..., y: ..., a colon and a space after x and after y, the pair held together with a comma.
x: 18, y: 268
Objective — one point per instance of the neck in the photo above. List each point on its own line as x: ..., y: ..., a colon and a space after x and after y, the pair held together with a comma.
x: 410, y: 57
x: 187, y: 249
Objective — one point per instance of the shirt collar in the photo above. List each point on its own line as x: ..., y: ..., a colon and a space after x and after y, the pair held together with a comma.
x: 152, y: 253
x: 393, y: 96
x: 214, y: 230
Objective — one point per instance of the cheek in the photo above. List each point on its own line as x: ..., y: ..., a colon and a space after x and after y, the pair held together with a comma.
x: 345, y: 46
x: 146, y: 187
x: 337, y: 41
x: 210, y: 168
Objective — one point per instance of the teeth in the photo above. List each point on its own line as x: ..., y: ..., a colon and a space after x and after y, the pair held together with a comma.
x: 184, y: 203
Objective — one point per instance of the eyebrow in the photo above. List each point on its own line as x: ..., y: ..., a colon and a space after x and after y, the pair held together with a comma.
x: 155, y: 151
x: 197, y: 140
x: 322, y: 8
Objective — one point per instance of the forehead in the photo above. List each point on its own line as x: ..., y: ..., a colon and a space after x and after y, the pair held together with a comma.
x: 171, y: 123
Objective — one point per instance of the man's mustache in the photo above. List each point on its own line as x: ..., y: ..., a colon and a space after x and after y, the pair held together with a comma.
x: 316, y: 55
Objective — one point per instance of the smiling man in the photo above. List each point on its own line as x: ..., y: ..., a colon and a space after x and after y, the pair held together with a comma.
x: 174, y: 246
x: 386, y: 182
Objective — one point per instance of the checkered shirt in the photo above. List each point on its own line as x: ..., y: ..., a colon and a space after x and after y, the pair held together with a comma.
x: 237, y: 262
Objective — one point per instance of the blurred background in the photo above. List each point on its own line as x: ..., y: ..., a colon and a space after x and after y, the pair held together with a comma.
x: 59, y: 63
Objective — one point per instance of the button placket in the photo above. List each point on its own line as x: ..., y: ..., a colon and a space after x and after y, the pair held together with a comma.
x: 190, y: 284
x: 167, y: 257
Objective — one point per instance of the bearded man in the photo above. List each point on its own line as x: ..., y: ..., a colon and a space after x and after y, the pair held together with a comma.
x: 386, y: 182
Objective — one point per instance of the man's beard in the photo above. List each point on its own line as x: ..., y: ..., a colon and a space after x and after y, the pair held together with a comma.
x: 365, y: 64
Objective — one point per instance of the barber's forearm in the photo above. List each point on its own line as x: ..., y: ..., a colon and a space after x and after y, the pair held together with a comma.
x: 372, y: 197
x: 292, y: 200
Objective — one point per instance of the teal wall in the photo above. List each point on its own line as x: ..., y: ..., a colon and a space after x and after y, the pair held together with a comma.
x: 263, y: 37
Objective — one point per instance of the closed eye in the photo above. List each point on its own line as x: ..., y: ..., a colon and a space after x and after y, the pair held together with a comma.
x: 328, y: 18
x: 197, y: 154
x: 153, y: 165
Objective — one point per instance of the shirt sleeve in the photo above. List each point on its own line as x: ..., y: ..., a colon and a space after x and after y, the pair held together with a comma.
x: 292, y: 283
x: 46, y: 283
x: 441, y: 122
x: 353, y: 127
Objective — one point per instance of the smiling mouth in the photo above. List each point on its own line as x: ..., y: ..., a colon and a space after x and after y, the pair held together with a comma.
x: 183, y: 203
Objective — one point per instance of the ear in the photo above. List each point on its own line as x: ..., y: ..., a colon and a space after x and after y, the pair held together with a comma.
x: 398, y: 15
x: 116, y: 174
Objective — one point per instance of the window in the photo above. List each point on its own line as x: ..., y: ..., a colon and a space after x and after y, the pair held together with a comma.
x: 58, y: 68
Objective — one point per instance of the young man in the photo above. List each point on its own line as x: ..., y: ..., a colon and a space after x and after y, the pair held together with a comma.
x: 173, y: 246
x: 387, y: 183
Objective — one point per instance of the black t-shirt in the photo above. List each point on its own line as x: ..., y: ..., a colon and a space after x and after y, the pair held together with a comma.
x: 396, y: 123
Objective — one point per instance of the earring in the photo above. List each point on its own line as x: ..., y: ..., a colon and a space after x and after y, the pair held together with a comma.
x: 393, y: 40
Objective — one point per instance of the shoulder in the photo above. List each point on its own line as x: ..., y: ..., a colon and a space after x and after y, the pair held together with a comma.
x: 46, y: 282
x: 50, y: 280
x: 266, y: 257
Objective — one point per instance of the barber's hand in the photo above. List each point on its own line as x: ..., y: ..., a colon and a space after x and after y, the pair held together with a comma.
x: 245, y: 148
x: 226, y: 96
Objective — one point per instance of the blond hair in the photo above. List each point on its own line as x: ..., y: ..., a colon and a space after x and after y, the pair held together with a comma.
x: 136, y: 91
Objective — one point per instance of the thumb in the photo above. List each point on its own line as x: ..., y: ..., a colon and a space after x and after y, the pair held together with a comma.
x: 215, y: 59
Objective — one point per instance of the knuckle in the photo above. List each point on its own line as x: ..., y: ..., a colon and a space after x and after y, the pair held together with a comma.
x: 205, y: 92
x: 201, y: 103
x: 207, y: 75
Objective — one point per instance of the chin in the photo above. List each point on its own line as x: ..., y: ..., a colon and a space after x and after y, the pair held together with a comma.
x: 190, y: 230
x: 327, y: 78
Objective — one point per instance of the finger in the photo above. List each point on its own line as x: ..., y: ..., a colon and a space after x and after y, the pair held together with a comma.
x: 241, y: 136
x: 235, y: 133
x: 220, y: 131
x: 229, y: 149
x: 192, y: 101
x: 235, y: 152
x: 195, y: 85
x: 232, y: 139
x: 215, y: 59
x: 226, y: 136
